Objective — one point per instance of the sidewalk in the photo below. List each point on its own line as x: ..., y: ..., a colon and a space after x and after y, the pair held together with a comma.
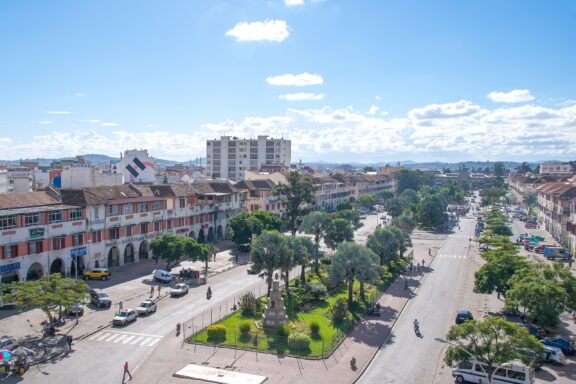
x: 362, y: 343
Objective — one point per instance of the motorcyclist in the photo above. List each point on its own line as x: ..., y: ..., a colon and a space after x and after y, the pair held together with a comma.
x: 416, y: 326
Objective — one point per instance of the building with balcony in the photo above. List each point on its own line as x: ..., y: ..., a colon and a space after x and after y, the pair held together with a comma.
x: 39, y: 235
x: 571, y: 228
x: 520, y: 185
x: 554, y: 204
x: 562, y: 169
x: 230, y: 157
x: 259, y: 196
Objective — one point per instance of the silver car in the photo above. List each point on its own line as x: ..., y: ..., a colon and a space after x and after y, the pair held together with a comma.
x: 179, y: 289
x: 124, y: 317
x: 8, y: 343
x: 146, y: 307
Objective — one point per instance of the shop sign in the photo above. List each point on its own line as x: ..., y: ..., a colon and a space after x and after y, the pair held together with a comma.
x: 77, y: 252
x: 36, y: 233
x: 9, y: 267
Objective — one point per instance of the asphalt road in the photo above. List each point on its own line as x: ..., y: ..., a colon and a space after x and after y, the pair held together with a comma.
x: 99, y: 357
x: 445, y: 288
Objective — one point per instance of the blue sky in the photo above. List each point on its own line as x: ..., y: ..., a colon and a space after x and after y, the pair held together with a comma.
x: 345, y: 80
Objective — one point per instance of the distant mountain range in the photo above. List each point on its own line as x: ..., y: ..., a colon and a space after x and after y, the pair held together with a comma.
x: 104, y: 159
x: 97, y: 159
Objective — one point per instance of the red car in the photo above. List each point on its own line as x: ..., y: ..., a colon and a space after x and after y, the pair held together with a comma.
x: 530, y: 226
x: 540, y: 248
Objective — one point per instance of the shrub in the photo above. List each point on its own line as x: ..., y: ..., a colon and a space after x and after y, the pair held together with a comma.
x: 315, y: 328
x: 318, y: 291
x: 338, y: 311
x: 299, y: 342
x: 248, y: 304
x: 216, y: 332
x: 282, y: 331
x: 245, y: 327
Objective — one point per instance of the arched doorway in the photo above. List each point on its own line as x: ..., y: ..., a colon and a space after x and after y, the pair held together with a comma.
x: 192, y: 235
x: 227, y: 232
x: 57, y: 266
x: 143, y: 250
x: 211, y: 235
x: 201, y: 237
x: 10, y: 277
x: 35, y: 272
x: 129, y: 254
x: 81, y: 267
x: 113, y: 257
x: 219, y: 234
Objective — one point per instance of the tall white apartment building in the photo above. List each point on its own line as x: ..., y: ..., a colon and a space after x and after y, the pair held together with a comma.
x: 230, y: 157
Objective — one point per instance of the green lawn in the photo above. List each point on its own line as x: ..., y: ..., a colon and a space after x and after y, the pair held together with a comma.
x: 299, y: 322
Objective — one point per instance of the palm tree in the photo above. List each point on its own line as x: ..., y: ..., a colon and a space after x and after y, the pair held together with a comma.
x: 348, y: 262
x: 267, y: 253
x: 316, y: 223
x: 402, y: 240
x: 383, y: 242
x: 367, y: 271
x: 530, y: 199
x: 302, y: 248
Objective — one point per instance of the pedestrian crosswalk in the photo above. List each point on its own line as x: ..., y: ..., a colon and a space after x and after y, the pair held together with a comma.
x: 127, y: 338
x: 450, y: 256
x: 457, y: 236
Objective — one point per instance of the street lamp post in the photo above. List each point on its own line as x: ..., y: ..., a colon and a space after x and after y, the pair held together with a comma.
x: 465, y: 351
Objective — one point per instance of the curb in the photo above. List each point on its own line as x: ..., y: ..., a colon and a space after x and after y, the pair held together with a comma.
x: 385, y: 338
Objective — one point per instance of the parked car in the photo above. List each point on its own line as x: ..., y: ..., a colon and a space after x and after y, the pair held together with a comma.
x: 124, y: 317
x: 100, y: 298
x: 535, y: 330
x: 565, y: 344
x: 76, y: 309
x: 162, y: 275
x: 252, y: 271
x: 540, y: 248
x: 146, y: 307
x: 530, y: 226
x: 463, y: 315
x: 8, y: 343
x: 97, y: 273
x: 179, y: 289
x: 553, y: 355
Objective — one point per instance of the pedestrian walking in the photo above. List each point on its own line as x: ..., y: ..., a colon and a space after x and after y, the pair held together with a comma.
x: 120, y: 306
x: 126, y: 371
x: 151, y: 290
x: 69, y: 342
x: 159, y: 288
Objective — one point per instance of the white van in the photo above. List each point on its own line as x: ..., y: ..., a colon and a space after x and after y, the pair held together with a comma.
x: 553, y: 355
x: 162, y: 276
x: 514, y: 372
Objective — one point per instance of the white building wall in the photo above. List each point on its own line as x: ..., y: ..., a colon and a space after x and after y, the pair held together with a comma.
x: 20, y: 183
x: 76, y: 177
x: 137, y: 167
x: 3, y: 181
x: 107, y: 179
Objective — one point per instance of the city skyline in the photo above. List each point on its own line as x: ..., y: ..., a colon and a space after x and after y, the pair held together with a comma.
x: 344, y: 81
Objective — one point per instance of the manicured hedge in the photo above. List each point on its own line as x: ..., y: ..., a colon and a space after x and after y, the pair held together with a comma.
x: 216, y: 332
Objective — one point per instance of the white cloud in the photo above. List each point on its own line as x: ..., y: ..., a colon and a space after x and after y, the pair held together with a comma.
x: 464, y: 131
x: 441, y: 111
x: 80, y: 94
x: 271, y: 30
x: 45, y: 122
x: 93, y: 121
x: 58, y: 112
x: 373, y: 110
x: 515, y: 96
x: 300, y: 80
x: 292, y: 3
x: 378, y: 98
x: 108, y: 124
x: 301, y: 96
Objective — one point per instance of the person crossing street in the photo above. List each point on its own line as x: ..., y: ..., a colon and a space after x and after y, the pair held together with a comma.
x: 126, y: 371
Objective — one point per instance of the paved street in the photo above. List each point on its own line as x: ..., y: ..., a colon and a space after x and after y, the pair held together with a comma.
x: 445, y: 288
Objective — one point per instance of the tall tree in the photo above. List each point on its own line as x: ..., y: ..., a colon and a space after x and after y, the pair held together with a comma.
x: 366, y: 201
x: 244, y: 225
x: 367, y: 271
x: 317, y: 224
x: 496, y: 273
x: 523, y: 168
x: 393, y: 206
x: 492, y: 341
x: 287, y: 261
x: 383, y: 242
x: 270, y: 222
x: 169, y: 248
x: 302, y: 251
x: 298, y: 196
x: 349, y: 215
x: 347, y: 262
x: 405, y: 222
x: 344, y: 204
x: 499, y: 169
x: 50, y: 295
x: 432, y: 211
x: 338, y: 232
x: 402, y: 240
x: 267, y: 253
x: 530, y: 199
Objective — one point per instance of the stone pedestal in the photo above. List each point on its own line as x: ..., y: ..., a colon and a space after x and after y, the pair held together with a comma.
x: 275, y: 313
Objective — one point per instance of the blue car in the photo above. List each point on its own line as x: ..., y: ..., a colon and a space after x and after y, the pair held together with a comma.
x: 463, y: 315
x: 566, y: 345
